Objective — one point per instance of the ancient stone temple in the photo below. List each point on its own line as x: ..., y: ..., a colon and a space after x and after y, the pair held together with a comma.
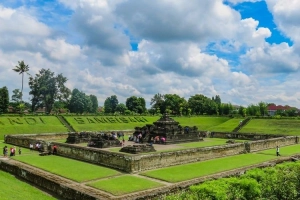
x: 167, y: 131
x: 94, y: 139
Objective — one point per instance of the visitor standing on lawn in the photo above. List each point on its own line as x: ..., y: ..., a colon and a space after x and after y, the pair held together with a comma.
x: 277, y: 151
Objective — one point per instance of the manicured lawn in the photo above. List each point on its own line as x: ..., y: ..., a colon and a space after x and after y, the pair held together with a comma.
x: 284, y: 151
x: 227, y: 126
x: 30, y: 125
x: 194, y: 170
x: 124, y: 184
x: 12, y: 188
x: 273, y: 126
x: 69, y: 168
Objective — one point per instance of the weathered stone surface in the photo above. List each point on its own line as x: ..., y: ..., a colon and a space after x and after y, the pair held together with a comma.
x: 138, y: 148
x: 169, y: 129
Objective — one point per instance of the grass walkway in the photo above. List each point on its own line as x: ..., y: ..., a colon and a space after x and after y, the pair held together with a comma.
x: 194, y: 170
x: 68, y: 168
x: 124, y: 184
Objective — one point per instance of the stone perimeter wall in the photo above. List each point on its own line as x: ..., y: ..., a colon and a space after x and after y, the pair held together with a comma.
x: 137, y: 163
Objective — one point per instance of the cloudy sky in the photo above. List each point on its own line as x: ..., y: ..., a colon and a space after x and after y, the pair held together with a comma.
x: 246, y: 51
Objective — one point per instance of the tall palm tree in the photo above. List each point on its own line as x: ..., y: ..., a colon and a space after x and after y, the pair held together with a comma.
x: 21, y: 69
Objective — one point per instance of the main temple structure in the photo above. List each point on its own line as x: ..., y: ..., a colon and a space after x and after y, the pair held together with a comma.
x: 169, y: 129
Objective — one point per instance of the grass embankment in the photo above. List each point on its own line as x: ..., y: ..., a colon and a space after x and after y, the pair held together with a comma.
x: 195, y: 170
x: 98, y: 123
x: 227, y: 126
x: 124, y: 184
x: 273, y: 126
x: 12, y: 188
x: 105, y: 123
x: 30, y: 125
x: 203, y: 123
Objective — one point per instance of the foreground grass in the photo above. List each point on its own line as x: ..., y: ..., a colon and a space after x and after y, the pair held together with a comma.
x: 195, y: 170
x: 273, y: 126
x: 124, y: 184
x: 30, y: 125
x: 12, y: 188
x: 69, y: 168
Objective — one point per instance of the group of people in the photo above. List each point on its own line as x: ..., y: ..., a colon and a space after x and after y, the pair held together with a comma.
x: 12, y: 151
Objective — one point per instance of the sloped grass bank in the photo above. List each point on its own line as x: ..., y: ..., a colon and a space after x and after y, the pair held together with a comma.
x: 124, y: 184
x: 273, y: 126
x: 227, y: 126
x: 98, y: 123
x: 30, y: 125
x: 12, y: 188
x: 68, y: 168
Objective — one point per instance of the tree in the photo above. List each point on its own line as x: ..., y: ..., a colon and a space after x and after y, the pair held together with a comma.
x: 173, y: 103
x: 80, y: 102
x: 4, y: 100
x: 263, y: 108
x: 136, y: 104
x: 110, y: 104
x: 157, y: 102
x: 94, y: 103
x: 46, y: 88
x: 21, y: 68
x: 200, y: 104
x: 121, y: 108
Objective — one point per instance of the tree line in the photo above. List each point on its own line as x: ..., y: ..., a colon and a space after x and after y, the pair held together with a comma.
x: 49, y: 91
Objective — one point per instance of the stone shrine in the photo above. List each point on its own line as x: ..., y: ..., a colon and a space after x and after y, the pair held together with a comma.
x: 166, y: 131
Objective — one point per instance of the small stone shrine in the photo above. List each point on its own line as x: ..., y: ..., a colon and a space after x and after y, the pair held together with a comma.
x: 166, y: 131
x: 94, y: 139
x: 138, y: 148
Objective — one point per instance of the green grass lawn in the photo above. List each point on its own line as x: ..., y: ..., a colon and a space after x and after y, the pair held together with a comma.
x: 194, y: 170
x: 12, y: 188
x: 30, y: 125
x: 284, y: 151
x: 227, y: 126
x: 69, y: 168
x: 273, y: 126
x: 124, y: 184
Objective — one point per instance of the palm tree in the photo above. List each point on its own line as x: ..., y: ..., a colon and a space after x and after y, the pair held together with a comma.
x: 21, y: 69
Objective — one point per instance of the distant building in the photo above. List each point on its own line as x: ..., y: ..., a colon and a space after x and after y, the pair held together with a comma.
x: 273, y: 108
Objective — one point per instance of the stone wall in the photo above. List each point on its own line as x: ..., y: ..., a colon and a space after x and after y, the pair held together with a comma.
x: 94, y: 155
x: 136, y: 163
x: 244, y: 136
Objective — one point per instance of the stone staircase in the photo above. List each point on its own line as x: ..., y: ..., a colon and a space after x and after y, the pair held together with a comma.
x: 64, y: 122
x: 244, y: 122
